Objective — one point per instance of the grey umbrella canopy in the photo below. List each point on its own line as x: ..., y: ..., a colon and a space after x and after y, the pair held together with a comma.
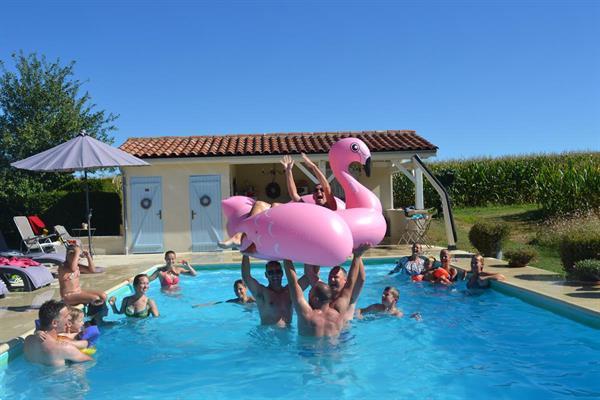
x: 82, y: 153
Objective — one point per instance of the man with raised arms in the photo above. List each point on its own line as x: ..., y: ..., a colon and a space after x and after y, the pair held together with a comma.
x: 345, y: 296
x: 273, y: 300
x: 43, y: 347
x: 324, y: 315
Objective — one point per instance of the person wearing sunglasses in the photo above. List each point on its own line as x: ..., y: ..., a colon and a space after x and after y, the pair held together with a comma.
x: 273, y: 301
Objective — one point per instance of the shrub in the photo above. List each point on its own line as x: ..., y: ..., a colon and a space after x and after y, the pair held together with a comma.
x: 520, y: 257
x: 587, y: 270
x: 488, y: 237
x: 579, y: 244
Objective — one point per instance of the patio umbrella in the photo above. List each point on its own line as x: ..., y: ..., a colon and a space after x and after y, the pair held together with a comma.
x: 83, y: 153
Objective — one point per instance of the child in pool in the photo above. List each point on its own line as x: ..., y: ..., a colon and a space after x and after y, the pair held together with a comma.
x: 388, y: 305
x: 74, y: 329
x: 138, y: 305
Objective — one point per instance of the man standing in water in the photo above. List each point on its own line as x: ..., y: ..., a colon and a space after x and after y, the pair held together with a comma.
x: 273, y: 301
x: 43, y: 347
x: 344, y: 295
x: 324, y: 315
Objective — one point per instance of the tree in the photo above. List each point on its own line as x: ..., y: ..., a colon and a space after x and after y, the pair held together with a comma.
x: 41, y: 106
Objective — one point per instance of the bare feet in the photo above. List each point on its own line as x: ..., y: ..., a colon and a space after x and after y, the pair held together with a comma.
x: 233, y: 242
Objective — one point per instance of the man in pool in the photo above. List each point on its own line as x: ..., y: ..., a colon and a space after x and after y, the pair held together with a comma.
x: 273, y: 300
x: 339, y: 285
x: 323, y: 315
x: 43, y: 347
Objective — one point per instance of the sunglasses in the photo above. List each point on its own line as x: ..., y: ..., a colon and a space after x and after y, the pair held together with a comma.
x: 274, y: 272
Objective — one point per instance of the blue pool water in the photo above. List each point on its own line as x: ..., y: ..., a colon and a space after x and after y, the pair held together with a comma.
x: 467, y: 346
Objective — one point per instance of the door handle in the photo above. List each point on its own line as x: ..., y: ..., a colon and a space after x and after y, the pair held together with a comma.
x: 159, y: 213
x: 193, y: 214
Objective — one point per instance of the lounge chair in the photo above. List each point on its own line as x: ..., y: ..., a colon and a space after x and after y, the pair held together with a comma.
x: 36, y: 243
x: 44, y: 258
x: 64, y: 235
x: 25, y: 278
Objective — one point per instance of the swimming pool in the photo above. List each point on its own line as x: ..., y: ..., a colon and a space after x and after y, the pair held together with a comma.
x: 479, y: 346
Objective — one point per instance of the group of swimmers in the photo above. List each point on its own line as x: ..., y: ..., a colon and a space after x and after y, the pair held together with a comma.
x: 428, y: 269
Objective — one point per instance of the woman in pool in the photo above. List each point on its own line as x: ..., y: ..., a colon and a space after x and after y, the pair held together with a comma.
x: 138, y: 305
x: 480, y: 279
x: 241, y: 293
x: 169, y: 273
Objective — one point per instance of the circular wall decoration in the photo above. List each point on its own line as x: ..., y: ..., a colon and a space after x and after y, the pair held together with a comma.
x: 146, y: 203
x: 205, y: 201
x: 273, y: 190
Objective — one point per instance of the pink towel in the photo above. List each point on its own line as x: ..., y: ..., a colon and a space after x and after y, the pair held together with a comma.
x: 19, y: 262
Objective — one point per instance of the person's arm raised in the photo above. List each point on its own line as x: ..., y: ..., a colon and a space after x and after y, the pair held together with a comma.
x: 288, y: 165
x: 250, y: 282
x: 296, y: 293
x: 353, y: 276
x: 331, y: 203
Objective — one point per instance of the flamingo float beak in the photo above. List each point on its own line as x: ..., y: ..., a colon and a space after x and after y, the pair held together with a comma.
x: 367, y: 167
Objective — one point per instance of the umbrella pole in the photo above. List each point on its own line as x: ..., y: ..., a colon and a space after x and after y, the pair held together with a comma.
x: 89, y: 214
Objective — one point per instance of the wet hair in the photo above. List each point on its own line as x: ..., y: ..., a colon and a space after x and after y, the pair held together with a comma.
x: 170, y: 252
x: 49, y: 311
x: 393, y: 291
x: 239, y: 282
x: 273, y: 264
x: 138, y: 278
x: 74, y: 312
x: 479, y: 257
x: 340, y: 268
x: 322, y: 292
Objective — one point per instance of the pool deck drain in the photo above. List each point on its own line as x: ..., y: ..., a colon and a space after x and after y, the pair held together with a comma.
x: 18, y: 310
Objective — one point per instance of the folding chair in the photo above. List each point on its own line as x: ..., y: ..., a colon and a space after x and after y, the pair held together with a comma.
x: 416, y: 227
x: 33, y: 242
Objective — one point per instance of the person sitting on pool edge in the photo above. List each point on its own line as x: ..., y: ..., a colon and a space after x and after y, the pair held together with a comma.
x: 138, y: 305
x: 412, y: 265
x: 388, y: 305
x: 169, y: 273
x: 478, y: 278
x: 240, y: 290
x: 322, y: 196
x: 43, y: 347
x: 273, y: 301
x: 322, y: 315
x: 68, y: 280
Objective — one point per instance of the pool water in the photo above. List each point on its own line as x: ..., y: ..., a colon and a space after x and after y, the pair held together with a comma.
x: 466, y: 346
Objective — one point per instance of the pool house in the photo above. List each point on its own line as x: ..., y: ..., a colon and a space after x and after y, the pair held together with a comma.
x: 175, y: 203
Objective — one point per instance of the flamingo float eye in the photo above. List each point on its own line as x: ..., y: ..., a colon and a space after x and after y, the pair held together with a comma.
x: 354, y: 147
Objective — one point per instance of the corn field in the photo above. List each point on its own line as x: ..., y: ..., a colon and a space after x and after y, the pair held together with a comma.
x: 559, y: 183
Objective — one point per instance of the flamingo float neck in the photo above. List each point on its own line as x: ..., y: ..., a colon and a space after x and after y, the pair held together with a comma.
x: 343, y: 153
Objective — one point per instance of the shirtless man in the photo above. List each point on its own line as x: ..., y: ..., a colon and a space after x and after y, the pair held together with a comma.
x: 43, y: 347
x: 339, y: 284
x: 273, y: 301
x: 68, y: 280
x: 322, y: 196
x: 324, y: 315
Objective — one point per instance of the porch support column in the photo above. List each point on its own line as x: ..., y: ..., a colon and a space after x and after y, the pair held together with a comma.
x: 419, y: 199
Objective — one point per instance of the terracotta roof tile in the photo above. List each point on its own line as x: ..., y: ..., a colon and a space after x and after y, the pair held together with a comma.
x: 269, y: 144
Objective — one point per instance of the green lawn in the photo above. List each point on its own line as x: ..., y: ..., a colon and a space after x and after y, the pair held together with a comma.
x: 525, y: 220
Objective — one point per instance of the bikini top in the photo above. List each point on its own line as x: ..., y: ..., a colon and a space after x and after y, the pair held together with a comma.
x: 169, y: 279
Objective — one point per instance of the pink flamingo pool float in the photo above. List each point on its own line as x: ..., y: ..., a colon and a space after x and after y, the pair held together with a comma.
x: 311, y: 234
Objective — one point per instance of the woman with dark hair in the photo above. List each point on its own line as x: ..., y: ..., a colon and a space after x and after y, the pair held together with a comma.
x: 138, y: 305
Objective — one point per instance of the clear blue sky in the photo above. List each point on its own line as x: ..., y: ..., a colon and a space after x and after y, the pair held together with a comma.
x: 473, y: 77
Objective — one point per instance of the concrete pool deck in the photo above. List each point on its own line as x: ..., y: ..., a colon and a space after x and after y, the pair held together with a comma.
x: 18, y: 310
